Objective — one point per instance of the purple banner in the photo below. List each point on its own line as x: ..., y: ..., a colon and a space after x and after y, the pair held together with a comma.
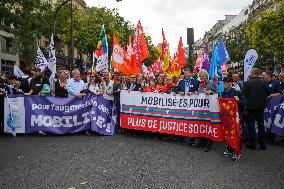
x: 68, y: 115
x: 274, y: 115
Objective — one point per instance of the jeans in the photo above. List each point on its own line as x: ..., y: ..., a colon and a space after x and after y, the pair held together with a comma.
x: 256, y: 115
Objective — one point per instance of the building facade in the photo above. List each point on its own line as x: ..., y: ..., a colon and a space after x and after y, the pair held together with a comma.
x: 8, y: 53
x: 233, y: 23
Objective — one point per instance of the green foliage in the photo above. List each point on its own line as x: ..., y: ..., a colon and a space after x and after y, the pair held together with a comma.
x: 154, y: 52
x: 32, y: 19
x: 28, y: 20
x: 266, y: 35
x: 87, y: 26
x: 237, y: 44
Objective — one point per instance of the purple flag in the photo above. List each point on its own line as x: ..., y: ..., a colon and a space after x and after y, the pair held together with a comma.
x: 205, y: 60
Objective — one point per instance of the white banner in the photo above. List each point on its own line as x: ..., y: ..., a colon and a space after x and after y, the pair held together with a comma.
x: 169, y: 101
x: 52, y: 58
x: 41, y: 61
x: 249, y: 61
x: 18, y: 109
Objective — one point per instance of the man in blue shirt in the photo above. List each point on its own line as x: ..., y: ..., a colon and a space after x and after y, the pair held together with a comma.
x: 75, y: 85
x: 273, y: 85
x: 188, y: 85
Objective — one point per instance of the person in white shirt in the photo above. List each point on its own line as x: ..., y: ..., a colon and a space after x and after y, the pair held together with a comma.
x: 75, y: 85
x: 108, y: 94
x: 236, y: 81
x: 97, y: 85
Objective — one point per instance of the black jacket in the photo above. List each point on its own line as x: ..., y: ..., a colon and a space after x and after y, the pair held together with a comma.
x: 256, y: 93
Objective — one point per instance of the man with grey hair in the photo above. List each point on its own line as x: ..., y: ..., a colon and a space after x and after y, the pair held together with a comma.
x: 256, y: 93
x: 75, y: 85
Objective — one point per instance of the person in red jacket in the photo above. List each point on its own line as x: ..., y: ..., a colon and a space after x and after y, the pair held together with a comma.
x: 170, y: 86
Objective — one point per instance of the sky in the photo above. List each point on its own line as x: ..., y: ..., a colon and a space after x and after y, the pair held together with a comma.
x: 175, y: 16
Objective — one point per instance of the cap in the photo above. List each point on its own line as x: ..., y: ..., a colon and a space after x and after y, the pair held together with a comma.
x: 227, y: 79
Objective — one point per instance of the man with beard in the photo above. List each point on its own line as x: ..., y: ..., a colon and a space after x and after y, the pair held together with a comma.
x: 19, y: 86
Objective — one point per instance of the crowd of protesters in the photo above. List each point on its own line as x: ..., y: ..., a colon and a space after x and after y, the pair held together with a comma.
x: 251, y: 95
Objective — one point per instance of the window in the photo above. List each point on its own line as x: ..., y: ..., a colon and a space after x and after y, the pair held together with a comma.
x: 7, y: 45
x: 7, y: 67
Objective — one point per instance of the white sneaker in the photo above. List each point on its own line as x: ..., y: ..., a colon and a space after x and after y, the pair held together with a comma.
x: 42, y: 133
x: 235, y: 157
x: 228, y: 154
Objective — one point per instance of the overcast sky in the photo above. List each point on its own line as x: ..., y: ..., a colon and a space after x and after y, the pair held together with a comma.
x: 173, y: 15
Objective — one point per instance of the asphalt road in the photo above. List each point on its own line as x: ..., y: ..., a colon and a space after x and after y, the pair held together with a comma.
x: 126, y: 161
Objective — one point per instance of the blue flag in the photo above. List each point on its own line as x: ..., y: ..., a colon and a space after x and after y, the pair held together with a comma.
x: 11, y: 122
x: 220, y: 86
x: 214, y: 63
x: 222, y: 52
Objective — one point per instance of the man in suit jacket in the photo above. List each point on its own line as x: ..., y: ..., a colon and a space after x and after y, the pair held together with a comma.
x: 256, y: 92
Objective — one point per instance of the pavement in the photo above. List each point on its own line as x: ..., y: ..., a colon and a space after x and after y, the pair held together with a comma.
x: 128, y: 161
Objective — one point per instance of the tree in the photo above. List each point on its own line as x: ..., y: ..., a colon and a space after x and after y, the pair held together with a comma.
x: 87, y: 26
x: 237, y: 43
x: 154, y: 52
x: 27, y: 20
x: 266, y: 35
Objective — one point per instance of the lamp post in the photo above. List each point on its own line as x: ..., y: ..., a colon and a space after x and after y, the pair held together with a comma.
x: 71, y: 57
x: 71, y: 54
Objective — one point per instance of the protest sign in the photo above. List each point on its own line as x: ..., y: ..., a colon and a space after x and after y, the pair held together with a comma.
x: 192, y: 116
x: 62, y: 115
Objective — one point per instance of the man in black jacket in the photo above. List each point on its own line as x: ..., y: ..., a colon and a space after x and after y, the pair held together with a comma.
x: 256, y: 93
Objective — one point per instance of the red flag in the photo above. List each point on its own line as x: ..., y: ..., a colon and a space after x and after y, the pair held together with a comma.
x: 180, y: 55
x: 129, y: 59
x: 198, y: 62
x: 140, y: 48
x: 231, y: 123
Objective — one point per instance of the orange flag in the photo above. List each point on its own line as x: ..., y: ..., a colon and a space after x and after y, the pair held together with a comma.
x: 118, y: 57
